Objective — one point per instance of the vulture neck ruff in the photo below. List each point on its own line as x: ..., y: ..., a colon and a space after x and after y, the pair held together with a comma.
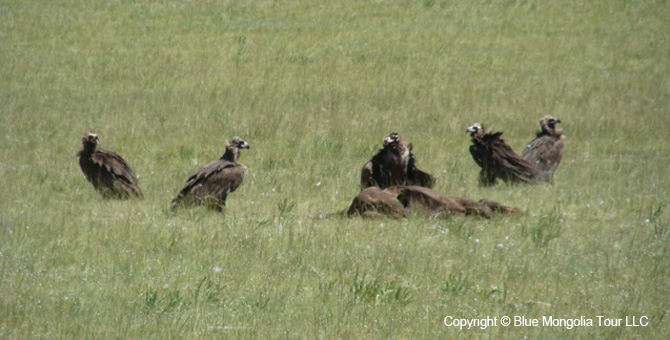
x: 547, y: 129
x: 397, y: 151
x: 89, y: 148
x: 232, y: 154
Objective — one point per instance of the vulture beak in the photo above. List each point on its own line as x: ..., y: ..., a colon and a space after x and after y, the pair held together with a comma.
x: 389, y: 140
x: 553, y: 121
x: 392, y: 140
x: 245, y: 145
x: 475, y: 128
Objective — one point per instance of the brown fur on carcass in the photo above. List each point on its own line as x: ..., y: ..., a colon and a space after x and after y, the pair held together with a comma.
x: 425, y: 200
x: 374, y: 202
x: 398, y: 201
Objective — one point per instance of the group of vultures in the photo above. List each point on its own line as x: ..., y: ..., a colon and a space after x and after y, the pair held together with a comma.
x: 392, y: 184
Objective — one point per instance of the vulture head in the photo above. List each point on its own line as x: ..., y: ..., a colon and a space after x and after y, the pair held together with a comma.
x: 233, y: 148
x: 90, y: 141
x: 392, y: 142
x: 548, y: 124
x: 477, y: 129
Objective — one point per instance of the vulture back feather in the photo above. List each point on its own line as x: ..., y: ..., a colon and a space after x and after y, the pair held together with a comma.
x: 545, y: 152
x: 211, y: 184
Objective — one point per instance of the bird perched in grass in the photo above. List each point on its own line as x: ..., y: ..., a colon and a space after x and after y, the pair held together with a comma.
x: 394, y: 164
x: 545, y: 152
x: 109, y: 174
x: 211, y: 184
x: 497, y: 159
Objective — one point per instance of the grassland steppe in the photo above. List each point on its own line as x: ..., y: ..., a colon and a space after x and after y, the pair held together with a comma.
x: 314, y: 86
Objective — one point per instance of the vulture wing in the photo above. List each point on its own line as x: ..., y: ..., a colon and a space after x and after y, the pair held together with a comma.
x: 535, y: 148
x: 112, y: 176
x: 215, y: 180
x: 417, y: 176
x: 376, y: 172
x: 478, y: 153
x: 366, y: 176
x: 546, y: 153
x: 508, y: 165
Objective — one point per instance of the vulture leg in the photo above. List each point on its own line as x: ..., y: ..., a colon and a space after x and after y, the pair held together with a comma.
x: 486, y: 178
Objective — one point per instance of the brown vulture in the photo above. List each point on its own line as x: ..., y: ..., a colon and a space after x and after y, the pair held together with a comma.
x: 394, y: 164
x: 211, y: 184
x: 108, y: 172
x: 497, y: 159
x: 546, y: 150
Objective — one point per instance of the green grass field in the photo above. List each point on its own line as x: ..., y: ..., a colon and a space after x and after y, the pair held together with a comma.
x: 314, y: 86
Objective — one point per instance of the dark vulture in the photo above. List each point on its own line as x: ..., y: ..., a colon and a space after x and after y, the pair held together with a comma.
x: 546, y: 150
x: 497, y: 159
x: 108, y: 172
x: 394, y: 164
x: 211, y: 184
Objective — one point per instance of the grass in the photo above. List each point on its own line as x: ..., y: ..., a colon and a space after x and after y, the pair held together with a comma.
x: 313, y: 87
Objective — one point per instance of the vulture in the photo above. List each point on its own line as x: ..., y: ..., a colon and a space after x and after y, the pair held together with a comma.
x: 497, y: 159
x: 546, y: 150
x: 211, y: 184
x: 394, y: 164
x: 109, y: 174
